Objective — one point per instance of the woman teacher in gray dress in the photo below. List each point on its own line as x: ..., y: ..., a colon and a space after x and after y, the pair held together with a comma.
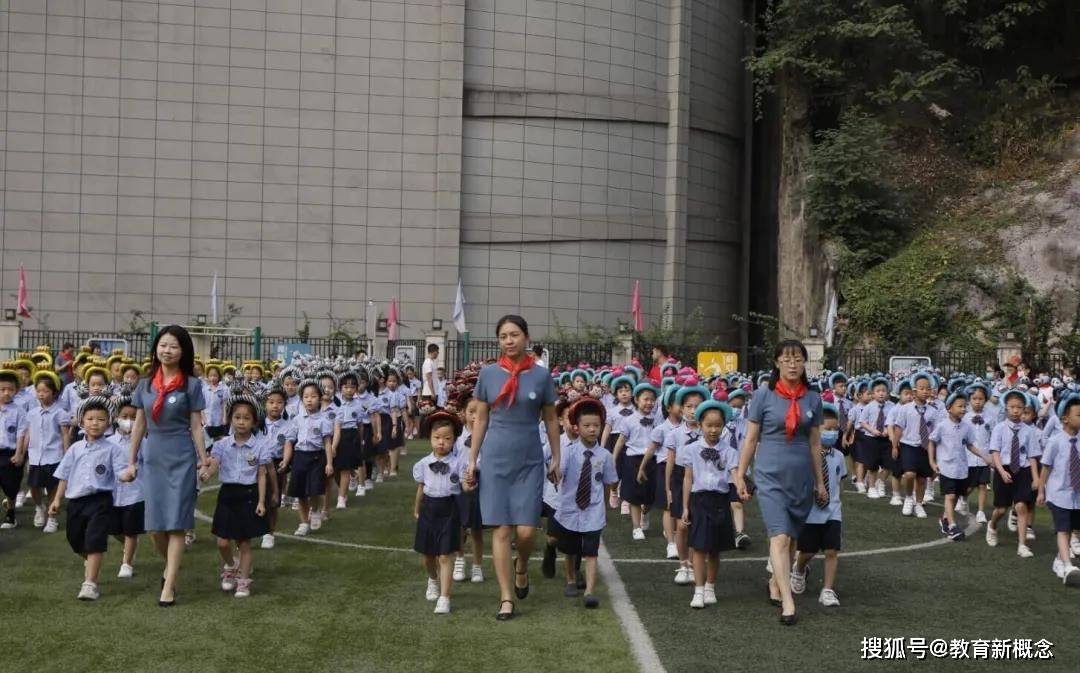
x: 784, y: 442
x: 513, y: 396
x: 169, y: 403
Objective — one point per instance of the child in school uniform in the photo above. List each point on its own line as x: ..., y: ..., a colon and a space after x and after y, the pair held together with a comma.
x: 129, y: 506
x: 347, y: 450
x: 687, y: 398
x: 950, y: 442
x: 587, y: 469
x: 1059, y: 486
x: 439, y: 477
x: 737, y: 400
x: 706, y: 503
x: 240, y: 513
x: 216, y: 394
x: 823, y: 531
x: 309, y: 457
x: 874, y: 444
x: 329, y: 403
x: 291, y: 384
x: 659, y: 441
x: 550, y: 497
x: 370, y: 429
x: 47, y: 441
x: 13, y: 443
x: 87, y: 476
x: 623, y: 389
x: 472, y: 525
x: 982, y: 421
x: 634, y: 431
x: 853, y: 438
x: 278, y: 430
x: 1014, y: 447
x: 398, y: 401
x: 913, y: 424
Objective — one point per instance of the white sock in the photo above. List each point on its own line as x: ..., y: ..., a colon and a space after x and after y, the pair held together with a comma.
x: 710, y: 586
x: 699, y: 590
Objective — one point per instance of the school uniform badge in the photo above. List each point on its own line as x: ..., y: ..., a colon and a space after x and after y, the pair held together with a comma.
x: 598, y: 476
x: 100, y: 469
x: 532, y: 395
x: 10, y: 429
x: 281, y: 440
x: 250, y: 458
x: 172, y: 399
x: 454, y: 478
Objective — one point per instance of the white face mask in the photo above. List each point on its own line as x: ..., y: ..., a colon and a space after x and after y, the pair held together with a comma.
x: 124, y: 425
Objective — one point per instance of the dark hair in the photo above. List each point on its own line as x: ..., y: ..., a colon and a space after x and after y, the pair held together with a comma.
x: 187, y: 351
x: 829, y: 412
x: 251, y: 404
x: 662, y: 348
x: 440, y: 423
x: 67, y: 345
x: 781, y: 348
x: 47, y: 380
x: 10, y: 377
x: 538, y: 350
x: 513, y: 319
x: 1069, y: 404
x: 433, y: 348
x: 347, y: 377
x: 561, y: 406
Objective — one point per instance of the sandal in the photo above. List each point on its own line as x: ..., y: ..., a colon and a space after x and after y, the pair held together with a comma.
x: 505, y: 616
x: 520, y: 592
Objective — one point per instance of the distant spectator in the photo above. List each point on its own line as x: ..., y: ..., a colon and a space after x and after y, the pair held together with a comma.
x: 64, y: 360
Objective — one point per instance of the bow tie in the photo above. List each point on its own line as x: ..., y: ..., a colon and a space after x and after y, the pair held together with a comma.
x: 439, y: 468
x: 710, y: 454
x: 977, y: 420
x: 692, y: 437
x: 646, y: 421
x: 625, y: 412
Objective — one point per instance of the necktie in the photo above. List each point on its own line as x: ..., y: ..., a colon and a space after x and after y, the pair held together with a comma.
x: 1074, y: 466
x: 1014, y: 457
x: 880, y: 423
x: 924, y: 430
x: 825, y: 470
x: 584, y: 484
x: 732, y: 439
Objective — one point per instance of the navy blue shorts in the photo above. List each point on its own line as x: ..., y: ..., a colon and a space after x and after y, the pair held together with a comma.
x: 1020, y: 490
x: 1065, y: 520
x: 308, y: 476
x: 89, y: 520
x: 958, y: 487
x: 575, y: 543
x: 817, y: 537
x: 915, y: 459
x: 979, y: 476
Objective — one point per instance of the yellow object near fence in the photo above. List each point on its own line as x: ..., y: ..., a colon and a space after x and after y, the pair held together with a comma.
x: 716, y: 363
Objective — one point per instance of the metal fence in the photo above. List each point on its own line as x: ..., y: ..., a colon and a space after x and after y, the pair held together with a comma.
x: 560, y: 354
x: 1054, y: 364
x: 29, y: 339
x: 870, y: 360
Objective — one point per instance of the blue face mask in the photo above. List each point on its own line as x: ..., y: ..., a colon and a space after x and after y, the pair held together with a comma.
x: 829, y: 437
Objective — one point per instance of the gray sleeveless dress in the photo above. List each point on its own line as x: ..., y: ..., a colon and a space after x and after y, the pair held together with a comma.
x: 783, y: 471
x: 512, y: 479
x: 168, y: 473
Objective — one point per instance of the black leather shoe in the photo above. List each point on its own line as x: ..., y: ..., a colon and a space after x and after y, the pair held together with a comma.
x: 548, y: 566
x: 520, y: 592
x: 505, y: 616
x: 789, y: 620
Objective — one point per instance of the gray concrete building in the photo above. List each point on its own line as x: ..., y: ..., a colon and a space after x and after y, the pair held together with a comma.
x: 316, y: 154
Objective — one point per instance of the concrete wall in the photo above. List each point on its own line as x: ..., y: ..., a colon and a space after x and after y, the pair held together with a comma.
x: 319, y: 153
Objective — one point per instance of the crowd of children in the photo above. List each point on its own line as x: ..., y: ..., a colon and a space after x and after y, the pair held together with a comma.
x: 316, y: 432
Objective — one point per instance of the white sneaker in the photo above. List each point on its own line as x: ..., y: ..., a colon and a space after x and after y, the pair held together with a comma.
x: 20, y: 499
x: 1012, y: 521
x: 316, y: 521
x: 690, y: 575
x: 39, y: 516
x: 126, y: 571
x: 980, y: 517
x: 710, y: 594
x: 243, y: 588
x: 1023, y: 551
x: 928, y: 496
x: 1070, y: 575
x: 368, y: 485
x: 1029, y: 535
x: 638, y: 534
x: 881, y: 487
x: 228, y: 578
x: 295, y: 505
x: 341, y: 503
x: 991, y: 536
x: 1074, y: 546
x: 909, y: 506
x: 268, y: 541
x: 828, y: 598
x: 798, y: 580
x: 872, y: 493
x: 477, y: 575
x: 682, y: 576
x: 51, y: 525
x: 962, y: 506
x: 379, y: 478
x: 625, y: 508
x: 393, y: 473
x: 302, y: 530
x: 896, y: 500
x: 361, y: 491
x: 442, y: 605
x: 8, y: 525
x: 459, y: 569
x: 860, y: 487
x: 672, y: 551
x: 88, y: 592
x: 1057, y: 566
x: 698, y: 601
x: 920, y: 513
x: 644, y: 521
x: 432, y: 590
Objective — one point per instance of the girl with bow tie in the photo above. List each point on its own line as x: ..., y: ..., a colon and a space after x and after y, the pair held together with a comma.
x: 634, y: 433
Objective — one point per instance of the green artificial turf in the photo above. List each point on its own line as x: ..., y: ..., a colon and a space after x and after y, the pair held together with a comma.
x: 328, y: 608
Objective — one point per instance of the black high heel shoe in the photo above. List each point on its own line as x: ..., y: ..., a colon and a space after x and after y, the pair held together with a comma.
x: 789, y: 620
x: 776, y: 602
x: 505, y: 616
x: 521, y: 592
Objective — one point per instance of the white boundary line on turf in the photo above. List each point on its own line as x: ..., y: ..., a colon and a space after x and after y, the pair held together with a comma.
x: 640, y: 643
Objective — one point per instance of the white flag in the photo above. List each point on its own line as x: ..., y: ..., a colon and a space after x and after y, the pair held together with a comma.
x: 213, y: 300
x: 459, y: 310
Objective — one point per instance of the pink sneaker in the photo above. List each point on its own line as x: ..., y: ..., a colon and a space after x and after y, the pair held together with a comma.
x: 228, y: 579
x: 243, y: 588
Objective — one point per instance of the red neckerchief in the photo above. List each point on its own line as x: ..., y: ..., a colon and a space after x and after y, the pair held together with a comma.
x: 510, y: 388
x: 791, y: 418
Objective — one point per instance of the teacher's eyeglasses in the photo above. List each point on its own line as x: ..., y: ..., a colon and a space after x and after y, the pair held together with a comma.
x: 791, y: 361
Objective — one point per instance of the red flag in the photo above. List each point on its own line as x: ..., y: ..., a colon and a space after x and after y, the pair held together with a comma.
x: 635, y: 308
x: 23, y: 310
x: 393, y: 323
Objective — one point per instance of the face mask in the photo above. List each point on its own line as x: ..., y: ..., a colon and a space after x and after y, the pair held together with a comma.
x: 829, y: 437
x: 125, y: 425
